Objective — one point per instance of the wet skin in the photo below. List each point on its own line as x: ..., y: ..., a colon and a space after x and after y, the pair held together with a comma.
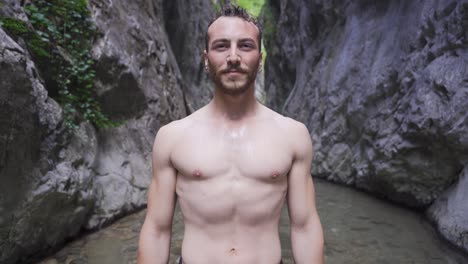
x: 232, y: 165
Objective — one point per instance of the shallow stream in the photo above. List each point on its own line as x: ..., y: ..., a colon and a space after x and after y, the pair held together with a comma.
x: 358, y: 229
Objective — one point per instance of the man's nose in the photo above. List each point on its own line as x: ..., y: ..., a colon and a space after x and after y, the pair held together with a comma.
x: 233, y: 57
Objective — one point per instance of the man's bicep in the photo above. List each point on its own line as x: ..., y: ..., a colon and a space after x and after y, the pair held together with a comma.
x: 161, y: 194
x: 301, y: 194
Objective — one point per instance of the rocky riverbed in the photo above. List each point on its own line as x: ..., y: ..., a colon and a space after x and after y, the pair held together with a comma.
x: 358, y: 229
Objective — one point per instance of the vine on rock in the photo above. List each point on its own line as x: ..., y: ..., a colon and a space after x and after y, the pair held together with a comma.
x: 60, y: 39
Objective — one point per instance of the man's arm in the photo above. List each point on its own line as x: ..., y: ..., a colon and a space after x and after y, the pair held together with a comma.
x: 155, y: 235
x: 306, y: 231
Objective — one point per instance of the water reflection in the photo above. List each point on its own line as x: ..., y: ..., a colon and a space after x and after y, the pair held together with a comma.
x: 361, y: 229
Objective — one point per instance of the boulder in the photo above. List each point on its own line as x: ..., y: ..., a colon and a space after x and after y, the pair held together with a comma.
x: 450, y: 212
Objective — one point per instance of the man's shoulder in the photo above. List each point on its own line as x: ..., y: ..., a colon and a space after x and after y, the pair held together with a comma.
x: 287, y: 124
x: 176, y: 127
x: 294, y: 132
x: 172, y: 129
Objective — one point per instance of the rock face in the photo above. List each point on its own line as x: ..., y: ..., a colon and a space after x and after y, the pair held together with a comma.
x: 450, y: 212
x: 137, y: 81
x: 186, y: 25
x: 52, y: 183
x: 45, y: 175
x: 383, y: 88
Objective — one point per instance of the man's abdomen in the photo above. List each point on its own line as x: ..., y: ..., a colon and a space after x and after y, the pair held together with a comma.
x: 234, y: 244
x: 231, y: 221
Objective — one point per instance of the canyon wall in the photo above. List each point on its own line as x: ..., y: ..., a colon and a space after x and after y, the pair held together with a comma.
x: 383, y: 89
x: 382, y: 86
x: 54, y: 183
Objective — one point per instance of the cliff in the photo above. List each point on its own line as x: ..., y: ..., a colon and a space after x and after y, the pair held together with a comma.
x: 55, y: 181
x: 383, y: 88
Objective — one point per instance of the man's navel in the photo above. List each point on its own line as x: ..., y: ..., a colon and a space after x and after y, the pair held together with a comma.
x: 233, y: 252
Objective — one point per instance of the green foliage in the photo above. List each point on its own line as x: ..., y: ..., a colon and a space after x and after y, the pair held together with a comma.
x: 252, y: 6
x: 218, y: 4
x: 259, y: 8
x: 269, y: 19
x: 15, y: 26
x: 34, y: 41
x: 60, y: 41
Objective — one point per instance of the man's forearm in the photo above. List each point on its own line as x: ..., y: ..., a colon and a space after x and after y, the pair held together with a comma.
x: 153, y: 246
x: 307, y: 244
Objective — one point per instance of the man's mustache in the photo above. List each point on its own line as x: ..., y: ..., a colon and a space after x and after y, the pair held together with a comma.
x: 234, y: 69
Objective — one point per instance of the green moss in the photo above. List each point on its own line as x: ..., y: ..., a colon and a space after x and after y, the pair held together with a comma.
x: 18, y: 28
x: 14, y: 26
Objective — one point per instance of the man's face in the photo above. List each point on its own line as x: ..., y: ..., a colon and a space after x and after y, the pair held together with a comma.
x: 233, y: 57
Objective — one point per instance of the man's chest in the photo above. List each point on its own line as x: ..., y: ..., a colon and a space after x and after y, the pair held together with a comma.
x: 253, y: 155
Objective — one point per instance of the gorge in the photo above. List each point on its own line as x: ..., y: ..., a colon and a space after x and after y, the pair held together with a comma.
x: 381, y: 85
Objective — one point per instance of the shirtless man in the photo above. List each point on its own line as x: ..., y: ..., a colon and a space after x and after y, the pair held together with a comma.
x: 232, y: 165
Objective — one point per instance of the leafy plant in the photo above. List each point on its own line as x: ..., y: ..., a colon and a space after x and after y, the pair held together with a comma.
x: 252, y: 6
x: 60, y: 39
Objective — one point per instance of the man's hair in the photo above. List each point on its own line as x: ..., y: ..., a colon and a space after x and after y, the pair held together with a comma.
x: 230, y: 10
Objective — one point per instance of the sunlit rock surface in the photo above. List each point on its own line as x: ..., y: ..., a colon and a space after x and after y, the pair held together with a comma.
x: 383, y: 88
x: 136, y: 82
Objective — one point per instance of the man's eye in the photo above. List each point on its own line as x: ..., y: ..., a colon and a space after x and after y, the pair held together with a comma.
x: 220, y: 46
x: 247, y: 45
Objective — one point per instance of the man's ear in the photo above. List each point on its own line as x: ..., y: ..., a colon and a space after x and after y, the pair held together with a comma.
x: 260, y: 64
x: 205, y: 59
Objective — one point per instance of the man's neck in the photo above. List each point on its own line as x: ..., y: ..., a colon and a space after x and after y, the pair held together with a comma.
x: 234, y: 108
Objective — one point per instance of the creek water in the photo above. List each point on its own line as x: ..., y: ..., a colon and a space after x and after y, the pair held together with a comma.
x: 358, y: 228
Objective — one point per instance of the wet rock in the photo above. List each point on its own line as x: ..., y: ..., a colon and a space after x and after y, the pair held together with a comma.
x: 450, y: 212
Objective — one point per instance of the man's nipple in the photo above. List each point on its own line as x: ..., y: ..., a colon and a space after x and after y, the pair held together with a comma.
x: 275, y: 175
x: 197, y: 174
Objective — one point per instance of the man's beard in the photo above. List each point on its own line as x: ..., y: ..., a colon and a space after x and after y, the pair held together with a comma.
x: 236, y: 85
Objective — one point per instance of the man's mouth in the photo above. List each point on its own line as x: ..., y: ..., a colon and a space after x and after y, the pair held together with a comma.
x: 233, y: 71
